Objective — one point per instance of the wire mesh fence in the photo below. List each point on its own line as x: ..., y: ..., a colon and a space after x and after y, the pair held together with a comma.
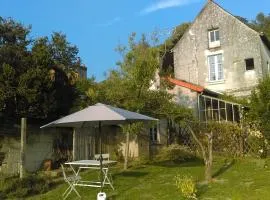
x: 246, y: 144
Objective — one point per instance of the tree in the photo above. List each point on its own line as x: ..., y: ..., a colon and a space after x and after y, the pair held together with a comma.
x: 220, y: 135
x: 14, y: 60
x: 87, y: 93
x: 206, y: 149
x: 37, y: 76
x: 166, y: 56
x: 261, y: 24
x: 128, y: 86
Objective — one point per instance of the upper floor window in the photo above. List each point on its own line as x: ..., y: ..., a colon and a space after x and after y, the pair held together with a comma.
x: 249, y: 64
x: 214, y: 39
x: 215, y: 67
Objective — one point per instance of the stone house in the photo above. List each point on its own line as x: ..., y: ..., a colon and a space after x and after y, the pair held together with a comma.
x: 218, y: 54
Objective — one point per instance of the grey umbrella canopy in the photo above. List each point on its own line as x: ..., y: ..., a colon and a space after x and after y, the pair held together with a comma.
x: 99, y: 115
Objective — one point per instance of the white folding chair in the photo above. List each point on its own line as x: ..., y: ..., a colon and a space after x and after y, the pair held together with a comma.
x: 107, y: 176
x: 71, y: 181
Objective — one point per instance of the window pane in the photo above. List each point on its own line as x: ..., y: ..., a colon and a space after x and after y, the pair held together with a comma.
x: 211, y: 59
x: 220, y: 72
x: 212, y: 36
x: 217, y: 35
x: 220, y: 67
x: 249, y: 64
x: 219, y: 58
x: 155, y: 134
x: 212, y: 73
x: 212, y: 68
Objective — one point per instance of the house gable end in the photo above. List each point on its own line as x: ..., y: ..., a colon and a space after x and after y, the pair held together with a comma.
x: 213, y: 6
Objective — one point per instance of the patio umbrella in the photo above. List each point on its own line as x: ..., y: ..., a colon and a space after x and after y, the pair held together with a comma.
x: 99, y: 115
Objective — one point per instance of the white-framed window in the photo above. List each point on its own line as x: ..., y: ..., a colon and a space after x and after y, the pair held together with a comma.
x: 153, y: 134
x: 215, y: 64
x: 214, y: 38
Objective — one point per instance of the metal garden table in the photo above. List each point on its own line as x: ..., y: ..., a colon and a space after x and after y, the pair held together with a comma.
x: 95, y: 165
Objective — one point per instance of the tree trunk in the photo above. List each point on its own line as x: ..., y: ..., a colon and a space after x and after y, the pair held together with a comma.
x: 127, y: 151
x: 23, y: 145
x: 207, y: 153
x: 208, y: 172
x: 209, y: 163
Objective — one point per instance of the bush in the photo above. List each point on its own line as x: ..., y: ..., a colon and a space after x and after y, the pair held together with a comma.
x: 175, y: 152
x: 187, y: 186
x: 227, y: 136
x: 18, y: 188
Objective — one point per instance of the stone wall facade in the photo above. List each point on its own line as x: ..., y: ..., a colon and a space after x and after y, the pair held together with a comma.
x: 42, y: 144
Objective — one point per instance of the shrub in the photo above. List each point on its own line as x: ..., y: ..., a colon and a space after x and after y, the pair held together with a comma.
x: 18, y: 188
x: 187, y: 186
x: 175, y: 152
x: 227, y: 136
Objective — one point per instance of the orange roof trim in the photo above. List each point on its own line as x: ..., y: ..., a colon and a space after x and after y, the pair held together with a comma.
x: 191, y: 86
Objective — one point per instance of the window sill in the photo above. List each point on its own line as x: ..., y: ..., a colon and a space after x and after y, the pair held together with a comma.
x: 212, y: 49
x: 214, y: 44
x: 250, y: 71
x: 216, y: 82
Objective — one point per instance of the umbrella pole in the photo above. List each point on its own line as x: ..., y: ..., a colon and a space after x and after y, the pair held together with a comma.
x: 100, y: 157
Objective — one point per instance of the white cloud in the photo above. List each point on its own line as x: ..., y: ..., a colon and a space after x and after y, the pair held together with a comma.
x: 110, y: 22
x: 163, y: 4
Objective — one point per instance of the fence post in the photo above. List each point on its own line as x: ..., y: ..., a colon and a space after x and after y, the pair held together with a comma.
x: 23, y: 145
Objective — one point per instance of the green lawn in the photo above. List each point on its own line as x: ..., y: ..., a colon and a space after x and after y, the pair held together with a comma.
x: 241, y: 179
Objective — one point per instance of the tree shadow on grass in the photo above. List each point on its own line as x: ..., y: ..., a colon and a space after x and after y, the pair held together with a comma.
x: 131, y: 174
x: 177, y: 163
x: 55, y: 184
x: 201, y: 189
x: 224, y: 168
x: 203, y: 186
x: 112, y: 197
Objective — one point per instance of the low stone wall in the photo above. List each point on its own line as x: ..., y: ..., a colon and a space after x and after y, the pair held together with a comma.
x: 39, y: 146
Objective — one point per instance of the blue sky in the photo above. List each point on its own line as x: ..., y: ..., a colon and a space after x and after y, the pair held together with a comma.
x: 97, y: 27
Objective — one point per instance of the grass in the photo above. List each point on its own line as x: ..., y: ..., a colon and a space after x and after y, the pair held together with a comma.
x: 233, y: 180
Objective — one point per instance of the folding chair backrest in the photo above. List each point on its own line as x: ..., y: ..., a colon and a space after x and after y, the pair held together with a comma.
x: 105, y: 156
